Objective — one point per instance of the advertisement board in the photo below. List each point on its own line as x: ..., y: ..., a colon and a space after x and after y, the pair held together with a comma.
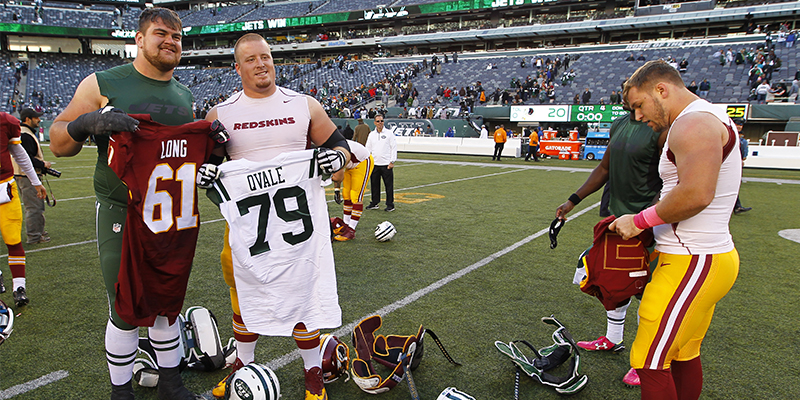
x: 554, y: 147
x: 591, y: 113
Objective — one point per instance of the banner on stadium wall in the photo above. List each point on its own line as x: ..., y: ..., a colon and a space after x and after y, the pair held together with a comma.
x: 378, y: 13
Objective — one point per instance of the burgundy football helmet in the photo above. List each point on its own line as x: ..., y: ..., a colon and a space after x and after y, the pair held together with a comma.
x: 335, y: 357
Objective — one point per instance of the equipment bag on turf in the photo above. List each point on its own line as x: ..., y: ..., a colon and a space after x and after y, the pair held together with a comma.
x: 549, y: 358
x: 200, y: 346
x: 393, y: 351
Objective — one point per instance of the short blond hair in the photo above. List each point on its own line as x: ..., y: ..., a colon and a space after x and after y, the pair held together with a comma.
x: 249, y: 37
x: 650, y: 74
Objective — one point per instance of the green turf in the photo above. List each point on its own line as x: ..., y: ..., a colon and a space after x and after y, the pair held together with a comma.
x: 449, y: 217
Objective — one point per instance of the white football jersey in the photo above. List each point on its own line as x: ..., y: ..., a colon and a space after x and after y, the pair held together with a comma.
x: 281, y: 245
x: 706, y: 232
x: 264, y: 128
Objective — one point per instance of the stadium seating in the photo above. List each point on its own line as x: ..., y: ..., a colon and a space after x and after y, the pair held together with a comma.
x: 333, y: 6
x: 78, y: 18
x: 728, y: 82
x: 220, y: 15
x: 63, y: 78
x: 281, y: 10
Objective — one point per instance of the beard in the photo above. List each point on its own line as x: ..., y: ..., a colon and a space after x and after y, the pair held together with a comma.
x: 161, y: 62
x: 660, y: 121
x: 263, y: 83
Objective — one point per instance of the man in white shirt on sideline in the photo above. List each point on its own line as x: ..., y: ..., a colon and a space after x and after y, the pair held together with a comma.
x: 382, y: 144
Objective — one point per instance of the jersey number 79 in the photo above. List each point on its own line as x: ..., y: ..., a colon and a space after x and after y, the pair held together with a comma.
x: 300, y: 213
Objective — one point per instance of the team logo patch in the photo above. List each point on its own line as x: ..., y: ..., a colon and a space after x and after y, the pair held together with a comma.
x: 242, y: 390
x: 117, y: 227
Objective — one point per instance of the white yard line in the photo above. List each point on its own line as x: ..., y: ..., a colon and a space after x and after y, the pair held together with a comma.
x: 36, y: 383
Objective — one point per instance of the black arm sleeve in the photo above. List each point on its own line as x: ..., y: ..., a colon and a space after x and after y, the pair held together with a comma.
x: 29, y: 144
x: 336, y: 140
x: 215, y: 159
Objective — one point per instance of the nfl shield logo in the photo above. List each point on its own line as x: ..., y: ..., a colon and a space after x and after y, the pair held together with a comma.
x: 117, y: 227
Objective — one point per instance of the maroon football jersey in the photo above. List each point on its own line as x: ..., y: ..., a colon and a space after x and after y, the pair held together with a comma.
x: 158, y: 163
x: 616, y: 269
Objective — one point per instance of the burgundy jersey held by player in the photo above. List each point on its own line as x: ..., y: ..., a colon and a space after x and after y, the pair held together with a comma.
x: 10, y: 132
x: 616, y: 269
x: 158, y: 163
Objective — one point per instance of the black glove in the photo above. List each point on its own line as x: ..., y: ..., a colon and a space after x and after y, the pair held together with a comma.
x: 337, y: 196
x: 218, y: 132
x: 101, y: 122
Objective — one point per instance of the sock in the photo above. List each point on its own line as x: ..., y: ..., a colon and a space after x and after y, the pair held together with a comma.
x: 358, y: 208
x: 308, y: 343
x: 245, y: 341
x: 688, y: 378
x: 165, y: 339
x: 121, y: 350
x: 657, y: 384
x: 16, y: 262
x: 17, y: 282
x: 348, y: 208
x: 615, y: 323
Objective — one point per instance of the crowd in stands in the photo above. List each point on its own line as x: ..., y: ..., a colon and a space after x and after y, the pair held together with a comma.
x: 346, y: 86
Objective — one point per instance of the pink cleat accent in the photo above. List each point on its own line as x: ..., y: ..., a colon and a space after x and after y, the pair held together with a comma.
x: 631, y: 379
x: 601, y: 344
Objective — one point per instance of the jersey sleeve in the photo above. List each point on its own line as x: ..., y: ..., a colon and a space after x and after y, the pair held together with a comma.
x: 10, y: 127
x: 118, y: 154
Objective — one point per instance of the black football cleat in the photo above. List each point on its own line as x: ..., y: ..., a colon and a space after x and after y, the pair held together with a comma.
x: 170, y: 386
x: 122, y: 392
x: 20, y: 297
x: 2, y: 285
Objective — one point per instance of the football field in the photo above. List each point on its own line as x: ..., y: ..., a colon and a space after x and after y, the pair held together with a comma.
x: 471, y: 261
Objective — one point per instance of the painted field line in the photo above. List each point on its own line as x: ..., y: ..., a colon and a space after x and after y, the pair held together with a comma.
x: 78, y: 198
x: 36, y: 383
x: 345, y: 330
x: 772, y: 180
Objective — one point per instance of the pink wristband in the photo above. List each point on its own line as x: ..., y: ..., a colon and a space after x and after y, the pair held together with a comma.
x: 647, y: 218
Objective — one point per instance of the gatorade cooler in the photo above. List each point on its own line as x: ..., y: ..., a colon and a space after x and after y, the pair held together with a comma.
x: 576, y: 155
x: 564, y: 155
x: 573, y: 135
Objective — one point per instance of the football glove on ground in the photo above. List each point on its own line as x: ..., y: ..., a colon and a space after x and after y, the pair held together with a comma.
x: 206, y: 175
x: 329, y: 160
x: 101, y: 122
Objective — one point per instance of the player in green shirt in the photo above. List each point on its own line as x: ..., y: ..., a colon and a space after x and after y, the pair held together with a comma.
x: 144, y: 87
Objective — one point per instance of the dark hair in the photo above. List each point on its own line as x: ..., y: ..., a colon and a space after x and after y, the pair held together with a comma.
x: 168, y: 17
x: 650, y: 74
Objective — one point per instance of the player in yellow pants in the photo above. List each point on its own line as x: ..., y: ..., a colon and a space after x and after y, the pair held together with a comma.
x: 677, y: 307
x: 356, y: 176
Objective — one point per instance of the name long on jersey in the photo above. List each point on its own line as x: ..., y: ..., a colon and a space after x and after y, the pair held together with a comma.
x: 280, y: 239
x: 158, y: 164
